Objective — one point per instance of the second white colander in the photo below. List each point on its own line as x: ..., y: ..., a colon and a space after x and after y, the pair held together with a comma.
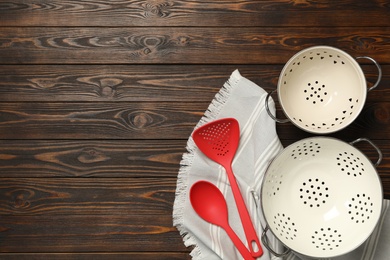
x: 322, y: 197
x: 322, y: 89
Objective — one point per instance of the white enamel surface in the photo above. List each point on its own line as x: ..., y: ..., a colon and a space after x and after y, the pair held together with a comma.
x: 322, y: 89
x: 321, y: 197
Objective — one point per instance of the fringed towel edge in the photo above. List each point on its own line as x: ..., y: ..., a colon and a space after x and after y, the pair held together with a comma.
x: 185, y: 164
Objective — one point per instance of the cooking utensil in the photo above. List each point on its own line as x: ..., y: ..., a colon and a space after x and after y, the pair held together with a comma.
x: 322, y: 89
x: 209, y: 204
x: 219, y: 140
x: 322, y: 197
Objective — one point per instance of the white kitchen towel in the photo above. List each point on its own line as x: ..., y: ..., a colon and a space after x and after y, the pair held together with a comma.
x: 259, y: 144
x: 241, y: 99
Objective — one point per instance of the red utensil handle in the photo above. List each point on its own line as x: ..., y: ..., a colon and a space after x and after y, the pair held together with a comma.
x: 238, y: 244
x: 246, y: 221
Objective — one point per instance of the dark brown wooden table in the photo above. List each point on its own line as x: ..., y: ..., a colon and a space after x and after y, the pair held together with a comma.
x: 98, y: 98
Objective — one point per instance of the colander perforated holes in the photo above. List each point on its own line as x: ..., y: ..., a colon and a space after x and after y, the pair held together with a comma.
x: 218, y: 136
x: 314, y: 193
x: 360, y: 208
x: 326, y: 239
x: 305, y: 149
x: 275, y: 180
x: 315, y: 92
x: 336, y: 59
x: 339, y: 60
x: 350, y: 164
x: 285, y: 226
x: 347, y: 112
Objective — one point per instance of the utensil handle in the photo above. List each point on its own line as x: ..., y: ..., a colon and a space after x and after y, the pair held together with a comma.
x: 269, y: 112
x: 246, y: 221
x: 238, y: 243
x: 380, y: 156
x: 379, y: 70
x: 264, y: 238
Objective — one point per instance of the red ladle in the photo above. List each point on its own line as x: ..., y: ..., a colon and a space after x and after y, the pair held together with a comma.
x: 219, y: 140
x: 209, y: 204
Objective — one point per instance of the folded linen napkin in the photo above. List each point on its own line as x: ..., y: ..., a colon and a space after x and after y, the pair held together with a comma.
x: 259, y: 144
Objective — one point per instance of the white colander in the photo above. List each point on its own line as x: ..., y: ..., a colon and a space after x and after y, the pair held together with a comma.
x: 321, y: 197
x: 322, y: 89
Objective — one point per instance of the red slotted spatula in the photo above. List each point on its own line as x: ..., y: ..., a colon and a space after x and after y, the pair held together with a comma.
x: 219, y: 140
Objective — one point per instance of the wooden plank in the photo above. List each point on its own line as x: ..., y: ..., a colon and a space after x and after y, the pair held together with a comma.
x: 86, y: 196
x: 194, y: 13
x: 372, y: 123
x: 113, y: 158
x: 99, y: 256
x: 160, y: 45
x: 116, y: 83
x: 103, y: 120
x: 144, y: 120
x: 89, y: 158
x: 85, y: 233
x: 152, y: 83
x: 89, y: 233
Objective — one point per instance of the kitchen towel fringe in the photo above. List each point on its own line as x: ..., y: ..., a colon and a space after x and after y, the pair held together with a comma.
x: 182, y: 180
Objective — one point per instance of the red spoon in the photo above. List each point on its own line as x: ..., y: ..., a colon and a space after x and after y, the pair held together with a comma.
x: 209, y: 204
x: 219, y: 140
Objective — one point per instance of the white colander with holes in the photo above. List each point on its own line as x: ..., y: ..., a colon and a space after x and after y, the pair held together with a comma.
x: 322, y: 89
x: 321, y: 197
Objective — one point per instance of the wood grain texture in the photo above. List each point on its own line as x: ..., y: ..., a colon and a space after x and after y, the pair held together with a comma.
x: 98, y: 99
x: 195, y: 13
x: 139, y: 120
x: 90, y: 158
x: 89, y: 233
x: 81, y: 196
x: 157, y: 45
x: 99, y: 256
x: 149, y: 83
x: 116, y: 158
x: 143, y: 120
x: 372, y: 122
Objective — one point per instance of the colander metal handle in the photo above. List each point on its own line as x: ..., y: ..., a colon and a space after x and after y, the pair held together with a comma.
x: 269, y: 112
x: 380, y: 156
x: 379, y: 70
x: 265, y: 241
